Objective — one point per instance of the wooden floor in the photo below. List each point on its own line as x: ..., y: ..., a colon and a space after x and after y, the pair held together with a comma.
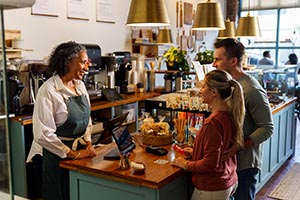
x: 270, y: 185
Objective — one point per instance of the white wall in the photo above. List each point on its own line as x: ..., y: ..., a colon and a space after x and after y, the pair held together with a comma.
x: 42, y: 33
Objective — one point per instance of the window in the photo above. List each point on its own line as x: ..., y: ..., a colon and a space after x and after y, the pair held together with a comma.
x: 280, y: 34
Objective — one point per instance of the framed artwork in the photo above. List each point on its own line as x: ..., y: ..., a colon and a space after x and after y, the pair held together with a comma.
x: 105, y: 11
x: 78, y: 9
x: 45, y: 8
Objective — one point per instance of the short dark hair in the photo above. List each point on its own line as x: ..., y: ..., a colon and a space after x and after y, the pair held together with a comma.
x: 62, y: 55
x: 266, y: 53
x: 233, y: 48
x: 293, y: 59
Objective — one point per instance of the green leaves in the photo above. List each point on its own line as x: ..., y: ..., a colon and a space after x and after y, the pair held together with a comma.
x: 205, y: 57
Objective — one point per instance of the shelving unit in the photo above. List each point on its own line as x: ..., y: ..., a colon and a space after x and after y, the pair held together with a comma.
x: 106, y: 109
x: 11, y: 51
x: 144, y: 43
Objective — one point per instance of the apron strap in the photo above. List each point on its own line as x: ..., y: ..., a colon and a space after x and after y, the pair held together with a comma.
x: 75, y: 143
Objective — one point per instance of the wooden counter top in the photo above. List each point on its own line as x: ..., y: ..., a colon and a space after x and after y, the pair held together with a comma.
x: 155, y: 176
x: 282, y: 105
x: 128, y: 98
x: 100, y: 104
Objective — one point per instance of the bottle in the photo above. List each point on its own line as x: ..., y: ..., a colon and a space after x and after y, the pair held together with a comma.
x: 152, y: 77
x: 133, y: 73
x: 145, y: 80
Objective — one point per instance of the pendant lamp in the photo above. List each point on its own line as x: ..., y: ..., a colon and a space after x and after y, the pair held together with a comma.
x: 248, y: 26
x: 229, y: 31
x: 164, y: 36
x: 209, y: 16
x: 148, y: 13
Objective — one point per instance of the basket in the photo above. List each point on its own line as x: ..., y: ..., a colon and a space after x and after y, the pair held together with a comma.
x: 157, y: 140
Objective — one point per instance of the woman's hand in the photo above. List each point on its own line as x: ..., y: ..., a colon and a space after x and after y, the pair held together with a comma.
x: 179, y: 162
x: 90, y: 149
x: 85, y: 153
x: 188, y: 151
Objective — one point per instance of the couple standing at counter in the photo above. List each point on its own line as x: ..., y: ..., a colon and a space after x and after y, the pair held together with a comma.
x: 257, y: 127
x: 63, y: 133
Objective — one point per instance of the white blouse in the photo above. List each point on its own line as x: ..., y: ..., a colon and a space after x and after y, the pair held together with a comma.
x: 50, y: 112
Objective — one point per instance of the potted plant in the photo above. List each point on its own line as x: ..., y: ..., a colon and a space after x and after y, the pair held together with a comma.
x: 176, y: 59
x: 205, y: 57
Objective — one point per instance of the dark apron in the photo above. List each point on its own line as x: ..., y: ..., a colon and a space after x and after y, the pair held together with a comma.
x: 56, y: 179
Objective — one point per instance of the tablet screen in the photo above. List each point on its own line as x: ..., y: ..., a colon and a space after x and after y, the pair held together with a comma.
x: 106, y: 135
x: 123, y: 139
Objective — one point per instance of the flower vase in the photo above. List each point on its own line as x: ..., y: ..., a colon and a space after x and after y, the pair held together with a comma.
x: 175, y: 66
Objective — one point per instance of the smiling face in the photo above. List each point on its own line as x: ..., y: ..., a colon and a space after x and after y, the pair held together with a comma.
x: 78, y: 66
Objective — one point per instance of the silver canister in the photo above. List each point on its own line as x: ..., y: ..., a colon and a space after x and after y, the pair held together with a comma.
x: 111, y: 79
x: 169, y: 77
x: 178, y: 81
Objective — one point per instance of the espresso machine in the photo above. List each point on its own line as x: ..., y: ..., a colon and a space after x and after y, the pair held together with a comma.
x: 37, y: 78
x: 123, y: 63
x: 90, y: 79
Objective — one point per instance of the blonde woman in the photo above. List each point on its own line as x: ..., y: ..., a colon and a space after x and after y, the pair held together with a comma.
x: 212, y: 177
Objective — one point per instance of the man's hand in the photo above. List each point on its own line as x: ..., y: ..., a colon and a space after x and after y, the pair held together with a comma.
x: 230, y: 152
x: 248, y: 143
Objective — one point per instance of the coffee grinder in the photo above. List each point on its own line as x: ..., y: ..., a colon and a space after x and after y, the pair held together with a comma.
x: 123, y: 62
x: 15, y: 88
x: 109, y: 63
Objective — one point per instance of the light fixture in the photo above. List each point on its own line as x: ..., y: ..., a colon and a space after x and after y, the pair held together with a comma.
x: 148, y: 13
x: 209, y: 16
x: 248, y: 26
x: 229, y: 31
x: 164, y: 36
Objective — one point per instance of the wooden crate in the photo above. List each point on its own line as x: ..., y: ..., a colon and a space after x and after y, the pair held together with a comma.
x: 12, y: 34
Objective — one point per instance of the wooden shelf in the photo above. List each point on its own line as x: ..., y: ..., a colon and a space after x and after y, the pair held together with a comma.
x: 127, y: 99
x: 150, y: 44
x: 170, y: 71
x: 10, y: 36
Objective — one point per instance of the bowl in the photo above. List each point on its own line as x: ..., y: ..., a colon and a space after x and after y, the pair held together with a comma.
x: 138, y: 167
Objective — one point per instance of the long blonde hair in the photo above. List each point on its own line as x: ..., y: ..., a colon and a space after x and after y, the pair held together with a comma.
x: 232, y: 93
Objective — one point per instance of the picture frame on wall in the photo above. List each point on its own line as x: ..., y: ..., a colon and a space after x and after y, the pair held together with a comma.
x: 104, y: 11
x: 45, y: 8
x: 78, y: 9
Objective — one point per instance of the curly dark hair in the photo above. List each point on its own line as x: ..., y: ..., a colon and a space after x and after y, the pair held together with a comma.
x: 62, y: 55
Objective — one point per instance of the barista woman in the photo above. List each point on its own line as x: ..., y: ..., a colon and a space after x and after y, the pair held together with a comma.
x: 213, y: 178
x: 61, y: 118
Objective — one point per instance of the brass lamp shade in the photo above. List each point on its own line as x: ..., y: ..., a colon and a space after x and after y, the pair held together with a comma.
x: 209, y: 16
x: 248, y: 27
x: 164, y: 36
x: 229, y: 31
x: 148, y: 13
